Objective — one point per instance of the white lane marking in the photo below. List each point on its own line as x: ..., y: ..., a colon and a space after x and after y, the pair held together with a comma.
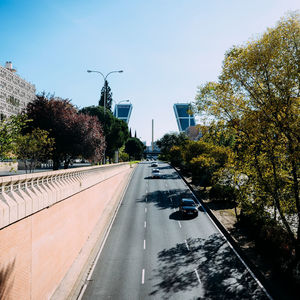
x: 146, y: 199
x: 171, y: 199
x: 143, y: 276
x: 146, y: 191
x: 144, y: 244
x: 174, y: 209
x: 187, y: 245
x: 198, y: 277
x: 145, y: 224
x: 179, y: 224
x: 145, y: 210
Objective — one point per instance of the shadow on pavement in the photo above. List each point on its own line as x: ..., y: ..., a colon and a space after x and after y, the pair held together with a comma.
x: 222, y: 274
x: 178, y: 216
x: 162, y: 199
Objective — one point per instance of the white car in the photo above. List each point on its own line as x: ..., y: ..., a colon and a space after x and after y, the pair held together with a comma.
x: 155, y: 173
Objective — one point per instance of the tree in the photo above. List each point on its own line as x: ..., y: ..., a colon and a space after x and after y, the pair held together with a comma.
x: 258, y: 96
x: 33, y: 147
x: 10, y: 129
x: 135, y: 148
x: 168, y: 141
x: 115, y: 130
x: 74, y: 134
x: 108, y: 97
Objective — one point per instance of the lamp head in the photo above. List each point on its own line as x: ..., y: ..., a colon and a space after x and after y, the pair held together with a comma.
x: 121, y: 71
x: 89, y: 71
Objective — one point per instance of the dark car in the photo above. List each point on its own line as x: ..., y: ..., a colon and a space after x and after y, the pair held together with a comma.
x: 154, y: 164
x: 188, y: 206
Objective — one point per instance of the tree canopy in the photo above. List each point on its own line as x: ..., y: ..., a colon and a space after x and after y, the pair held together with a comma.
x: 135, y: 148
x: 115, y: 130
x: 257, y: 95
x: 74, y: 134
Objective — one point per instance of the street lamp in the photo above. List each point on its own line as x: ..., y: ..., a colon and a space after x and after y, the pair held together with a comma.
x: 105, y: 91
x: 104, y: 78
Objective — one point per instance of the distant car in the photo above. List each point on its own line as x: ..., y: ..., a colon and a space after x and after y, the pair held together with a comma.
x: 154, y: 164
x: 155, y: 173
x: 188, y: 206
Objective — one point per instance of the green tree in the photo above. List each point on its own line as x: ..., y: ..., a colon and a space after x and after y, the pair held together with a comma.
x: 258, y: 96
x: 134, y: 148
x: 115, y: 130
x: 34, y: 147
x: 109, y: 99
x: 168, y: 141
x: 10, y: 129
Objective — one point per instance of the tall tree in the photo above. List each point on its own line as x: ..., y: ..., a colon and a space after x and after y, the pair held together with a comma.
x: 135, y: 148
x: 74, y: 134
x: 106, y: 89
x: 115, y: 130
x: 258, y: 95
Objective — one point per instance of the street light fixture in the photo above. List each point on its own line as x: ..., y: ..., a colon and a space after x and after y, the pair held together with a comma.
x: 105, y: 91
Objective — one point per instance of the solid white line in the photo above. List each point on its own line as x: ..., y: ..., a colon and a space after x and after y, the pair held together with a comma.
x: 198, y: 277
x: 179, y: 224
x: 187, y: 245
x: 143, y: 276
x: 144, y: 244
x: 82, y: 292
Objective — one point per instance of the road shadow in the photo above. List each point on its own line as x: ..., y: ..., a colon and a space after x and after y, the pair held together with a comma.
x: 6, y: 280
x: 222, y: 274
x: 179, y: 216
x: 165, y: 176
x: 165, y: 199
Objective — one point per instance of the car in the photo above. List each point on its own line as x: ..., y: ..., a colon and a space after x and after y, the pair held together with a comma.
x: 188, y: 206
x: 155, y: 173
x: 154, y: 165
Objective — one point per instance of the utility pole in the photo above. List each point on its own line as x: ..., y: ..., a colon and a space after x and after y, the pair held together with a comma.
x: 152, y: 135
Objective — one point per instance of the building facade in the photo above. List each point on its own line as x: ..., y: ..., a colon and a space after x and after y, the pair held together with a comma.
x: 184, y: 116
x: 123, y: 111
x: 15, y: 92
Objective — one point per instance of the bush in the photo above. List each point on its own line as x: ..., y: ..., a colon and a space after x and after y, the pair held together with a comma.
x: 221, y: 192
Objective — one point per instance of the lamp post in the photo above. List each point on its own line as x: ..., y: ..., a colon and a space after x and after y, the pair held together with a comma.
x: 105, y: 91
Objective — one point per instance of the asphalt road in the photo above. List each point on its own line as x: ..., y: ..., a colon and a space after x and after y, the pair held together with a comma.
x: 152, y: 252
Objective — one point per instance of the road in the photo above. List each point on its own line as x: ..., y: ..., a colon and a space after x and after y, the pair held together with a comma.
x: 153, y: 253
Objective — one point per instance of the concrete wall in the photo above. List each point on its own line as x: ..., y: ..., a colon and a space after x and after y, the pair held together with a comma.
x: 38, y: 247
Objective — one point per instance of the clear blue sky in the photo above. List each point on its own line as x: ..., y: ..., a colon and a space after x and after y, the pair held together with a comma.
x: 165, y: 47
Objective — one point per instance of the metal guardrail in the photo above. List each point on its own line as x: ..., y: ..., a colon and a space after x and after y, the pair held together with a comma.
x: 23, y: 195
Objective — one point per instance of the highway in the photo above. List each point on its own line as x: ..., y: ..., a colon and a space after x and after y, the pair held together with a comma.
x: 152, y: 252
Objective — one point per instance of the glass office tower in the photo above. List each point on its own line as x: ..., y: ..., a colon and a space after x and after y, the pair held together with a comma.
x: 183, y: 117
x: 123, y: 111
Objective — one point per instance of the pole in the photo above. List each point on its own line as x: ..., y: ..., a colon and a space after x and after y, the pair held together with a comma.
x: 152, y: 135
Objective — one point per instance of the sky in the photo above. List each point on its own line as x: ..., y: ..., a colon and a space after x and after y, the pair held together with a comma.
x: 166, y: 48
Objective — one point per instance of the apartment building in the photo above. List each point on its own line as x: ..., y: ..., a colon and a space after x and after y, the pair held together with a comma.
x: 15, y: 92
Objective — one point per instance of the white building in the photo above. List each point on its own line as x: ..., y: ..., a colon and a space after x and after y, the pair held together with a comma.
x: 15, y: 92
